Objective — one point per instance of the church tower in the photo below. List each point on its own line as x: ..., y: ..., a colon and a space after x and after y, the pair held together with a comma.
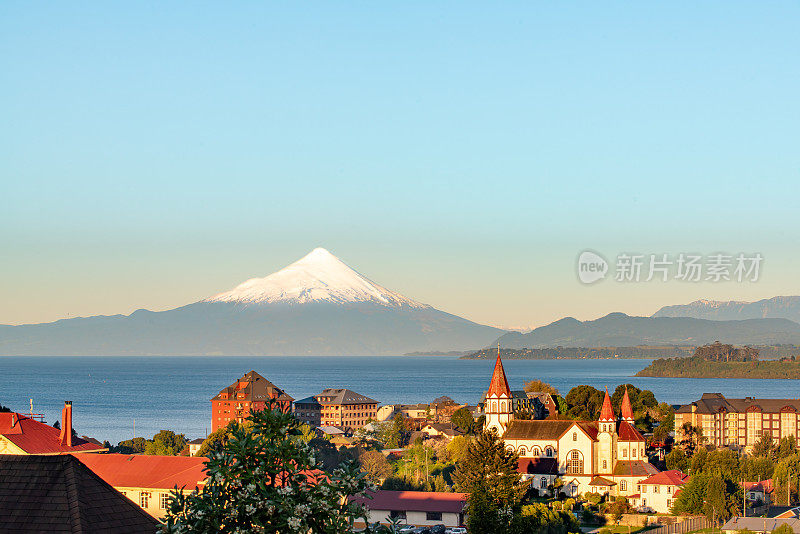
x: 626, y: 409
x: 607, y: 438
x: 497, y: 406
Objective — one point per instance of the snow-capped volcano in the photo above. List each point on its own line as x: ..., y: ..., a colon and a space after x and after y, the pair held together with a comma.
x: 317, y: 277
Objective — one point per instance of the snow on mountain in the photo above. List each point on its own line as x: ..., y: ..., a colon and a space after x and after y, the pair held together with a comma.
x: 317, y: 277
x: 783, y: 307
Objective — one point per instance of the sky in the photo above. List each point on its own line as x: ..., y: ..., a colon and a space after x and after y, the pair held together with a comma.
x: 461, y: 153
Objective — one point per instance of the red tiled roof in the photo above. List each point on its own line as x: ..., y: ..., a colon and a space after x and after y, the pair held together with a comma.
x: 145, y: 471
x: 626, y: 409
x: 34, y: 437
x: 673, y: 477
x: 416, y: 501
x: 607, y: 412
x: 499, y: 384
x: 765, y: 486
x: 634, y: 468
x: 628, y: 432
x: 538, y: 466
x: 254, y: 388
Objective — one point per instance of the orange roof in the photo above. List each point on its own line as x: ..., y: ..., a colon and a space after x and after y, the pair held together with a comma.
x: 674, y: 477
x: 607, y: 412
x: 628, y: 432
x: 499, y: 384
x: 627, y: 410
x: 145, y: 471
x: 34, y: 437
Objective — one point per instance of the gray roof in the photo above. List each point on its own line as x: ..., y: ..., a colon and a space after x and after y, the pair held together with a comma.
x: 760, y: 524
x: 711, y: 403
x: 342, y: 396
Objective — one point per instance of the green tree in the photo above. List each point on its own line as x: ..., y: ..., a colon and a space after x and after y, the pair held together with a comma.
x: 457, y: 448
x: 787, y: 475
x: 131, y: 446
x: 677, y: 459
x: 691, y: 437
x: 375, y: 465
x: 217, y: 439
x: 538, y: 386
x: 764, y: 447
x: 165, y: 443
x: 783, y: 529
x: 489, y: 474
x: 266, y: 479
x: 584, y: 403
x: 710, y: 494
x: 539, y: 519
x: 463, y: 420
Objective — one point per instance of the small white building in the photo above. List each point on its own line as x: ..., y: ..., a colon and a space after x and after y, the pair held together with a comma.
x: 195, y: 445
x: 419, y: 508
x: 657, y: 493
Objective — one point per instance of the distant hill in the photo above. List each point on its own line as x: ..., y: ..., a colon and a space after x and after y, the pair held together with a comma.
x: 315, y: 306
x: 776, y: 308
x: 620, y: 330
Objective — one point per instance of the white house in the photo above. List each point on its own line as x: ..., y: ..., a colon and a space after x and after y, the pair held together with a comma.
x: 658, y: 492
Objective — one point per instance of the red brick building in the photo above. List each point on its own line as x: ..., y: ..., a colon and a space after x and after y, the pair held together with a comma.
x: 250, y: 393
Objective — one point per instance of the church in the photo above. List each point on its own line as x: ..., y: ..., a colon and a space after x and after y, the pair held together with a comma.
x: 603, y: 456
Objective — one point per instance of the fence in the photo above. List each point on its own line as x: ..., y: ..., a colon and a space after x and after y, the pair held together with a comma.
x: 688, y: 525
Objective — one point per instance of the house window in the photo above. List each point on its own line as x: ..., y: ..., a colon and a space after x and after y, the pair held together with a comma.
x: 543, y: 483
x: 623, y: 485
x: 669, y: 490
x: 575, y: 463
x: 574, y: 436
x: 605, y: 464
x: 644, y: 489
x: 624, y: 453
x: 397, y: 514
x: 144, y: 499
x: 549, y: 451
x: 433, y: 516
x: 669, y: 503
x: 655, y: 489
x: 164, y: 501
x: 634, y: 453
x: 639, y: 488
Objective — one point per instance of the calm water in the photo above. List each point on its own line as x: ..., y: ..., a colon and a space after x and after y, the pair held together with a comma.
x: 173, y: 392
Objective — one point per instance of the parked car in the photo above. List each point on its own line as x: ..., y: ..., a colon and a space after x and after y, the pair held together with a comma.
x: 438, y: 529
x: 422, y: 530
x: 406, y: 529
x: 456, y: 530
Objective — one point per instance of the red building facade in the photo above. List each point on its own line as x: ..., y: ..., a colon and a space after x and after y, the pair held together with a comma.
x: 250, y: 393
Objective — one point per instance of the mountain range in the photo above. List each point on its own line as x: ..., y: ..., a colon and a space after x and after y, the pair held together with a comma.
x: 315, y: 306
x: 320, y: 306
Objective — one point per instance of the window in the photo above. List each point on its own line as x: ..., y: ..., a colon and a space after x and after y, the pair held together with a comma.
x: 624, y: 453
x: 644, y: 489
x: 605, y: 464
x: 639, y: 488
x: 397, y: 514
x: 549, y: 451
x: 634, y: 453
x: 575, y: 463
x: 669, y: 503
x: 623, y: 485
x: 164, y: 501
x: 543, y: 483
x: 574, y: 436
x: 644, y: 502
x: 656, y: 489
x: 669, y: 490
x: 144, y: 499
x: 433, y: 516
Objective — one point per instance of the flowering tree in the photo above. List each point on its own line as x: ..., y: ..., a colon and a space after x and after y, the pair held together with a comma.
x: 265, y: 478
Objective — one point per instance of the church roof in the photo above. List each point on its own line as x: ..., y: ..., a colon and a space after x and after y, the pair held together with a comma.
x: 607, y: 412
x: 499, y: 384
x: 628, y: 432
x: 634, y: 468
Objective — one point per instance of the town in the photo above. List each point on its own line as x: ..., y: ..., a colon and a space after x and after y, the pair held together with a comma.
x: 589, y: 460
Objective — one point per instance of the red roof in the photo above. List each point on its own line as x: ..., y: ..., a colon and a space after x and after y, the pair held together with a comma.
x: 626, y: 409
x: 416, y: 501
x: 628, y: 432
x: 34, y: 437
x: 499, y: 385
x: 607, y: 412
x: 674, y: 477
x: 145, y: 471
x: 764, y: 486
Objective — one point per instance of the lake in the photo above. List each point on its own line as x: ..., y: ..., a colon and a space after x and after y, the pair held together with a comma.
x: 173, y: 392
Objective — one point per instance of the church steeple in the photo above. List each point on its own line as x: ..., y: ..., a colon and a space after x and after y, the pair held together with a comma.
x: 626, y: 409
x: 498, y: 406
x: 607, y: 411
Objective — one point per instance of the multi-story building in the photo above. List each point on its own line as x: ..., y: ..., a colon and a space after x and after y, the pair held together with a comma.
x: 603, y: 456
x: 739, y: 423
x: 341, y: 408
x: 250, y: 393
x: 658, y: 493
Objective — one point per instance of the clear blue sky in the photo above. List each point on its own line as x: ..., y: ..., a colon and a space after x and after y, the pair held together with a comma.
x: 461, y: 153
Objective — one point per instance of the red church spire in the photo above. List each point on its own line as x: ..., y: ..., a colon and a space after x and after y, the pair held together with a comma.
x: 627, y: 410
x: 607, y: 412
x: 499, y: 384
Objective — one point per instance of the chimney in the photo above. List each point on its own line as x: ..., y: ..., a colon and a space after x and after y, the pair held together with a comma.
x: 13, y: 419
x: 66, y: 424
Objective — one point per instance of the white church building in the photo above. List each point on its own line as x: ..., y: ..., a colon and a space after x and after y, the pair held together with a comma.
x: 603, y: 456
